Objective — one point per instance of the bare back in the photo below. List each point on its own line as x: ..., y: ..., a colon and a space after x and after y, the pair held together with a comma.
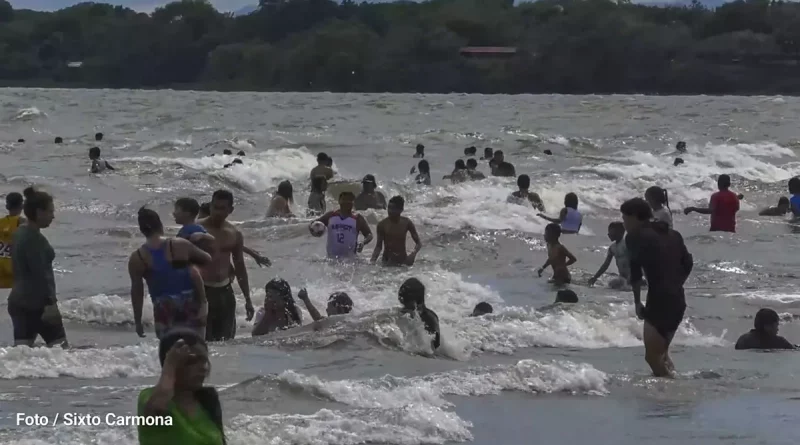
x: 557, y: 255
x: 394, y: 239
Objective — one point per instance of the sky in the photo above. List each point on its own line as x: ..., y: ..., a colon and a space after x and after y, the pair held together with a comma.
x: 139, y: 5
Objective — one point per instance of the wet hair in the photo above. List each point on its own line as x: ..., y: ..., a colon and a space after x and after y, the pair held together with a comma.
x: 241, y: 153
x: 637, y: 207
x: 659, y: 195
x: 680, y: 145
x: 764, y: 318
x: 347, y: 193
x: 224, y: 195
x: 482, y: 308
x: 283, y: 289
x: 207, y: 397
x: 329, y: 161
x: 783, y: 201
x: 460, y: 165
x: 58, y: 140
x: 14, y: 201
x: 420, y: 148
x: 285, y: 190
x: 794, y: 185
x: 35, y: 200
x: 524, y: 182
x: 498, y: 152
x: 678, y: 161
x: 412, y: 290
x: 322, y: 157
x: 341, y: 301
x: 94, y: 152
x: 227, y: 151
x: 317, y: 183
x: 188, y: 205
x: 398, y: 201
x: 98, y: 136
x: 238, y: 161
x: 566, y: 296
x: 724, y: 181
x: 571, y: 201
x: 149, y: 222
x: 472, y: 163
x: 470, y: 151
x: 616, y: 225
x: 423, y: 166
x: 553, y: 229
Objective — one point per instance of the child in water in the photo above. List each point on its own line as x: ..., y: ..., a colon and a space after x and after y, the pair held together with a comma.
x: 618, y: 251
x: 570, y: 218
x: 98, y: 163
x: 316, y: 199
x: 784, y: 207
x: 558, y: 257
x: 659, y: 202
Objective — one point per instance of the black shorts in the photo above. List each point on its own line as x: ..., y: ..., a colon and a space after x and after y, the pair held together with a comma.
x: 221, y: 322
x: 28, y: 324
x: 666, y: 320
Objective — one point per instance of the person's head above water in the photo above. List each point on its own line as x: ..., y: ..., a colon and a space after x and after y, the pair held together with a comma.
x: 227, y: 151
x: 571, y: 201
x: 368, y: 183
x: 681, y: 146
x: 616, y: 231
x: 524, y: 182
x: 98, y: 137
x: 205, y: 210
x: 488, y: 152
x: 482, y: 308
x: 424, y: 167
x: 724, y: 182
x: 636, y: 213
x: 319, y: 184
x: 278, y: 298
x: 498, y: 157
x: 460, y: 165
x: 21, y: 141
x: 420, y: 149
x: 766, y: 322
x: 794, y: 186
x: 346, y: 200
x: 186, y: 210
x: 470, y: 151
x: 566, y: 296
x: 656, y: 197
x: 339, y: 303
x: 472, y: 164
x: 38, y: 207
x: 322, y: 158
x: 411, y: 294
x: 149, y: 222
x: 237, y: 161
x: 285, y: 191
x: 552, y: 232
x: 548, y: 152
x: 14, y: 203
x: 395, y: 207
x: 94, y: 153
x: 678, y: 161
x: 58, y: 140
x: 240, y: 153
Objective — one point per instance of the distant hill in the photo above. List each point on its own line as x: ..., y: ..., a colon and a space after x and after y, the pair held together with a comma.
x: 246, y: 10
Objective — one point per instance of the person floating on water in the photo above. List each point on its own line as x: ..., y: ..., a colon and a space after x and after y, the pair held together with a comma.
x: 370, y: 197
x: 500, y: 167
x: 322, y: 168
x: 195, y: 410
x: 8, y: 226
x: 98, y: 164
x: 32, y: 303
x: 783, y: 207
x: 229, y: 246
x: 472, y: 170
x: 558, y: 256
x: 617, y: 251
x: 412, y: 299
x: 339, y: 303
x: 316, y: 198
x: 764, y: 334
x: 280, y: 205
x: 343, y: 227
x: 570, y: 218
x: 722, y: 207
x: 392, y: 232
x: 658, y: 253
x: 659, y: 202
x: 279, y: 311
x: 174, y: 283
x: 523, y: 196
x: 420, y: 153
x: 481, y: 309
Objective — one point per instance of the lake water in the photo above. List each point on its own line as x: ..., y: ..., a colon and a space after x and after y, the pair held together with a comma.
x: 526, y: 374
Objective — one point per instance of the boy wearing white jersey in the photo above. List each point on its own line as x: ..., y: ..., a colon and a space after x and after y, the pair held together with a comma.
x: 343, y: 228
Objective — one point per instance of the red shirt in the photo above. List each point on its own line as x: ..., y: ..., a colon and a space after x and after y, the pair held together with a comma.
x: 723, y: 204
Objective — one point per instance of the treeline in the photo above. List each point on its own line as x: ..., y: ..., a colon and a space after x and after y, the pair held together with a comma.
x: 564, y: 46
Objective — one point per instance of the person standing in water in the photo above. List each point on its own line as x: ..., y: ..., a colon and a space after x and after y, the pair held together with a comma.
x: 500, y: 167
x: 412, y: 298
x: 392, y: 232
x: 195, y: 410
x: 98, y: 164
x: 420, y: 153
x: 658, y: 253
x: 32, y: 303
x: 659, y: 202
x: 370, y: 197
x: 424, y: 176
x: 322, y: 168
x: 316, y: 199
x: 175, y: 285
x: 558, y: 256
x: 523, y: 196
x: 617, y: 251
x: 722, y: 207
x: 279, y: 207
x: 570, y: 218
x: 204, y: 212
x: 472, y: 170
x: 229, y: 246
x: 8, y: 226
x: 794, y: 201
x: 344, y: 227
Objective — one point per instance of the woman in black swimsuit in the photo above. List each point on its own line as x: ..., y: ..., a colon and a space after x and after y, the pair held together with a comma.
x: 658, y: 253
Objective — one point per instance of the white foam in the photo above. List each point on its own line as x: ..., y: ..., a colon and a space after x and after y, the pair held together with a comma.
x: 104, y: 309
x: 28, y: 114
x: 176, y: 143
x: 772, y: 296
x: 128, y: 361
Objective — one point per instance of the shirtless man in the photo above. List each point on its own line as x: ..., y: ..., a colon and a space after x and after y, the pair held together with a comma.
x: 392, y: 232
x: 322, y: 168
x: 229, y: 244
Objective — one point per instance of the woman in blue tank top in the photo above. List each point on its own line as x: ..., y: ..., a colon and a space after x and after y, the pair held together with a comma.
x: 175, y: 285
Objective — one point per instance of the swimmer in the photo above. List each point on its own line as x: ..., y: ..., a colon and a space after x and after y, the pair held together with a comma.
x: 180, y: 395
x: 392, y: 232
x: 794, y: 189
x: 175, y: 285
x: 339, y: 303
x: 677, y: 162
x: 680, y: 147
x: 237, y: 161
x: 227, y: 166
x: 32, y: 303
x: 548, y: 152
x: 722, y: 207
x: 424, y: 176
x: 765, y: 333
x: 523, y: 196
x: 558, y: 256
x: 344, y: 227
x: 420, y: 151
x: 219, y: 290
x: 261, y: 260
x: 370, y: 198
x: 488, y: 154
x: 459, y: 173
x: 619, y: 252
x: 784, y: 207
x: 21, y: 141
x: 570, y: 218
x: 58, y: 140
x: 240, y: 153
x: 322, y: 168
x: 8, y: 226
x: 472, y: 170
x: 98, y: 137
x: 279, y: 207
x: 227, y: 151
x: 470, y: 151
x: 279, y: 311
x: 316, y: 199
x: 98, y: 163
x: 658, y: 253
x: 501, y: 167
x: 412, y: 298
x: 566, y: 296
x: 659, y: 202
x: 482, y: 309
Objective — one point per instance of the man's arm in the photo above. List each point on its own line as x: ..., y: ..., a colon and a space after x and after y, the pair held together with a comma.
x: 603, y: 268
x: 378, y: 244
x: 382, y: 201
x: 303, y: 296
x: 108, y: 166
x: 260, y: 260
x: 136, y: 273
x: 324, y: 219
x: 196, y: 255
x: 240, y: 269
x: 363, y: 227
x: 636, y: 268
x: 412, y: 229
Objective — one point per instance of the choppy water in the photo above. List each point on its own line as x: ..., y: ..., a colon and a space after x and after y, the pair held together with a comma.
x: 524, y: 375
